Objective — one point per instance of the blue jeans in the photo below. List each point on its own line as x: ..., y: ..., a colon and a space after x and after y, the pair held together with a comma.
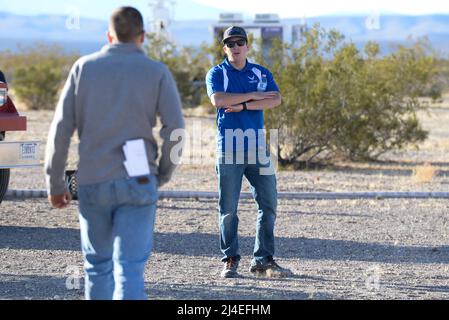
x: 116, y: 224
x: 263, y: 187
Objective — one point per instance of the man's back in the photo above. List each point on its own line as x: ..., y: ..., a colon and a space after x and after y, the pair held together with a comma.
x: 112, y: 97
x: 117, y: 94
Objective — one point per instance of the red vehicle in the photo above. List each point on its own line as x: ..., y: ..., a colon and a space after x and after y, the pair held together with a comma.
x: 13, y: 154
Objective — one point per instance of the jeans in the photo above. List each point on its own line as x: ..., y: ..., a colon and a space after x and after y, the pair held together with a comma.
x: 116, y: 224
x: 263, y: 187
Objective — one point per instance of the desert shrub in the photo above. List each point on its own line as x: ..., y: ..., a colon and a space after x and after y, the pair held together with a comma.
x: 442, y: 85
x: 187, y: 65
x: 339, y: 101
x: 37, y: 73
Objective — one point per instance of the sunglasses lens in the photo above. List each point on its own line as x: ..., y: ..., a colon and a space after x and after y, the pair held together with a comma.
x: 231, y: 44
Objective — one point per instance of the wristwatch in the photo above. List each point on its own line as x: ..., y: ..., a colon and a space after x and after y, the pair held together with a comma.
x: 245, y: 107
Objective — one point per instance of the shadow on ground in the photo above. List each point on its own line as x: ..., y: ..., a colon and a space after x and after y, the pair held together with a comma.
x: 24, y: 287
x: 33, y: 287
x: 204, y: 244
x: 241, y: 292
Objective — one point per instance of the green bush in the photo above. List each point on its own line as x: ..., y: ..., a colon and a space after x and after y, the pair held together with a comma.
x: 188, y: 67
x: 37, y: 86
x: 442, y: 85
x: 338, y: 101
x: 38, y: 73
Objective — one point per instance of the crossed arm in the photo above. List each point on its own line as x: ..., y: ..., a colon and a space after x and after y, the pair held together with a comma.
x: 232, y: 102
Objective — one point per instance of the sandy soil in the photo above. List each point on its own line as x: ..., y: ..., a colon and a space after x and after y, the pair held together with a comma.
x: 345, y: 249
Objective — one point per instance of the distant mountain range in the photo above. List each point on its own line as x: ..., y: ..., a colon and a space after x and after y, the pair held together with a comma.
x: 392, y: 29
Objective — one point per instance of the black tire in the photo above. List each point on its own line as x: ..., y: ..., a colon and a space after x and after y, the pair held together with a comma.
x: 72, y: 185
x: 4, y: 175
x: 4, y: 181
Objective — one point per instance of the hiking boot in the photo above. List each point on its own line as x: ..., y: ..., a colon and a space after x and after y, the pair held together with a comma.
x: 230, y: 268
x: 270, y: 269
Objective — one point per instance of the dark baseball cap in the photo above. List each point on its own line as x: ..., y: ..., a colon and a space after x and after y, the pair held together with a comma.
x: 234, y: 31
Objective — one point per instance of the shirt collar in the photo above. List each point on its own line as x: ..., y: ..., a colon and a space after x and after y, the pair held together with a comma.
x: 122, y: 48
x: 230, y: 67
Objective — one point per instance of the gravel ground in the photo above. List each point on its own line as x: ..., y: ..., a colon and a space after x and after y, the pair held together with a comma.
x: 341, y: 249
x: 357, y: 249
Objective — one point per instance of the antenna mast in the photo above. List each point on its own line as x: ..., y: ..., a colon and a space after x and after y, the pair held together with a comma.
x: 162, y: 17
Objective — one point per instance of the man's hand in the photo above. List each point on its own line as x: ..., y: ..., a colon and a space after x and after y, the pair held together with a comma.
x: 60, y: 201
x: 256, y: 95
x: 235, y: 108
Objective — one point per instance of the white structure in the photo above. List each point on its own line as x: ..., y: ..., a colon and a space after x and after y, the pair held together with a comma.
x: 265, y: 25
x: 162, y: 17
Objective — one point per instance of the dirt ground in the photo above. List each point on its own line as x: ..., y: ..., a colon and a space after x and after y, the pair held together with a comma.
x: 338, y: 249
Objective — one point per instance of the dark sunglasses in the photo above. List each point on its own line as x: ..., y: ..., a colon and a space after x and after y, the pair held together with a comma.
x: 231, y: 44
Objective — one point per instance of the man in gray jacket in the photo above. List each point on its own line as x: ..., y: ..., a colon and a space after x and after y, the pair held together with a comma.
x: 112, y: 98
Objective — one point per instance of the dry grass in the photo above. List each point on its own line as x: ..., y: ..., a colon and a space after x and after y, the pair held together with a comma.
x: 444, y: 144
x: 424, y: 173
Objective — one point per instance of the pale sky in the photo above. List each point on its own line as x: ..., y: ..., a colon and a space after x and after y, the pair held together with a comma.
x: 309, y: 8
x: 209, y: 9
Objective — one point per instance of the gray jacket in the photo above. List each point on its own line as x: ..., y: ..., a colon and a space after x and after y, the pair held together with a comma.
x: 110, y: 97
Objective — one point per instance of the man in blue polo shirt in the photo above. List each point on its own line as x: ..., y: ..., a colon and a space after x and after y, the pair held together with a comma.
x: 240, y: 91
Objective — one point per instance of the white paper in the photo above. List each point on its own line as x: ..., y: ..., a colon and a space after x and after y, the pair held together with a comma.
x: 136, y: 163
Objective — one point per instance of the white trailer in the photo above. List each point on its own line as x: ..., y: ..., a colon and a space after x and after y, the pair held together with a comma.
x: 13, y: 154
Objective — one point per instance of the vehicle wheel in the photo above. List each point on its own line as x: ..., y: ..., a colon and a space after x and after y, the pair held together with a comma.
x: 4, y: 175
x: 70, y: 179
x: 4, y: 181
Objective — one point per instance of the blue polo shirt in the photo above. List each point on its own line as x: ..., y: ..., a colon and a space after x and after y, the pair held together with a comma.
x: 225, y: 78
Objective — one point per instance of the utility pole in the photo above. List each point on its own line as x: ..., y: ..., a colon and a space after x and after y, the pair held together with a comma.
x: 162, y: 17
